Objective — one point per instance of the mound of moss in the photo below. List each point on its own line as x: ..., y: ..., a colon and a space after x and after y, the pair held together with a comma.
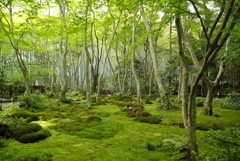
x: 34, y: 136
x: 92, y: 127
x: 30, y: 133
x: 142, y: 116
x: 30, y: 117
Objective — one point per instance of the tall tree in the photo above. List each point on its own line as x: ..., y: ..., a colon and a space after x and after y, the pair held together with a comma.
x: 14, y: 35
x: 63, y: 46
x: 161, y: 85
x: 214, y: 43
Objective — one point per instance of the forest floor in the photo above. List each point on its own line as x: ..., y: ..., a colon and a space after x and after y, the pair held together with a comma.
x: 129, y: 142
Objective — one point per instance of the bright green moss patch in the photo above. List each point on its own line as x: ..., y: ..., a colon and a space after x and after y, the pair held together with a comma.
x: 105, y: 133
x: 92, y: 127
x: 26, y: 155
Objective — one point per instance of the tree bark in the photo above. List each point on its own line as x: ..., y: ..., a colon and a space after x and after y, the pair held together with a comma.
x: 63, y: 46
x: 163, y: 92
x: 137, y: 79
x: 188, y: 101
x: 14, y: 44
x: 87, y: 60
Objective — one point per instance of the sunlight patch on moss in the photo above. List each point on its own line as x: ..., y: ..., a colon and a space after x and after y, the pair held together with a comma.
x: 44, y: 124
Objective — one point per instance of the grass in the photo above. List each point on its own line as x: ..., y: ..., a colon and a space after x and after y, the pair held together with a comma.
x: 127, y: 143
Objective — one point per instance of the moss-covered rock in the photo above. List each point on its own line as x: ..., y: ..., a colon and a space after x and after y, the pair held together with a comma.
x: 34, y: 136
x: 30, y: 133
x: 30, y: 127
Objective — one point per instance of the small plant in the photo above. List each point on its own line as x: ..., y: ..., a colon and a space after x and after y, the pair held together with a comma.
x: 225, y: 145
x: 148, y: 145
x: 2, y: 142
x: 230, y: 103
x: 175, y: 145
x: 32, y: 102
x: 14, y: 125
x: 49, y: 94
x: 65, y: 100
x: 199, y: 101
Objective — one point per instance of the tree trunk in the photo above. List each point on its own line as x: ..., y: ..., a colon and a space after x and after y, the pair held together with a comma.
x: 87, y: 60
x: 138, y: 84
x: 16, y: 49
x: 188, y: 101
x: 63, y: 46
x: 163, y: 92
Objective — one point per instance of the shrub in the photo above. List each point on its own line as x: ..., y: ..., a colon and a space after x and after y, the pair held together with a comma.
x: 148, y: 145
x: 199, y: 101
x: 65, y: 100
x: 175, y: 145
x: 225, y: 145
x: 27, y: 116
x: 14, y: 125
x: 49, y: 94
x: 2, y: 142
x: 230, y: 103
x: 32, y: 102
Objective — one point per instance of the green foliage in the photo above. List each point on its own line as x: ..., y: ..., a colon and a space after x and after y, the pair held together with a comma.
x: 32, y: 102
x: 29, y: 117
x: 148, y: 145
x: 175, y: 145
x: 199, y: 101
x: 65, y: 100
x: 2, y: 142
x: 230, y: 103
x: 49, y: 94
x: 14, y: 125
x: 225, y: 145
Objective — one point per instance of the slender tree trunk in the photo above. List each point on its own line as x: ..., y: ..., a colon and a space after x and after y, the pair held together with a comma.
x: 137, y: 79
x: 87, y: 60
x: 63, y: 46
x: 14, y: 44
x: 188, y: 101
x: 163, y: 92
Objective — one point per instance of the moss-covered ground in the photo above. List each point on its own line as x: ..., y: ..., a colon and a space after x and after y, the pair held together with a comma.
x: 125, y: 143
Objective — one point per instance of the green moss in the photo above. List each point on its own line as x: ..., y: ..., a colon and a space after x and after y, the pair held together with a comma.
x: 26, y: 155
x: 149, y: 119
x: 91, y: 127
x: 34, y: 136
x: 126, y: 142
x: 28, y: 116
x: 27, y: 128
